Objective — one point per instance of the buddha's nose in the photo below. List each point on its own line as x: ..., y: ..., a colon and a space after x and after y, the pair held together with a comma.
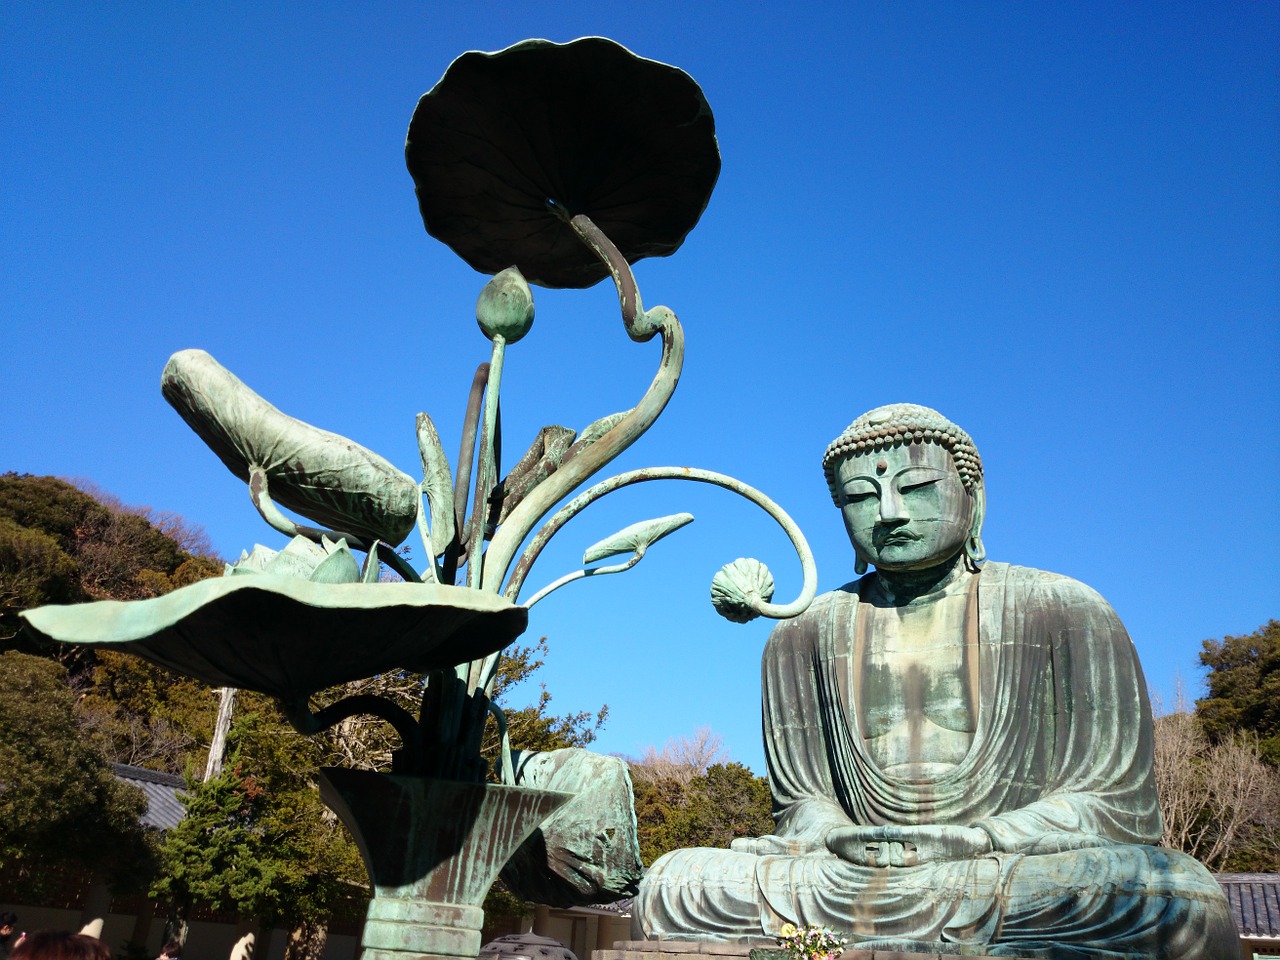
x: 891, y: 506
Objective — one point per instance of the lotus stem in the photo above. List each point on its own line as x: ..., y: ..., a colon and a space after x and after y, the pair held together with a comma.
x: 585, y: 462
x: 425, y: 534
x: 575, y: 506
x: 508, y: 772
x: 486, y: 467
x: 580, y: 574
x: 298, y: 713
x: 267, y: 509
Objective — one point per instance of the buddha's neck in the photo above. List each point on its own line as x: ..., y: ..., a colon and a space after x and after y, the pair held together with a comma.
x: 904, y: 586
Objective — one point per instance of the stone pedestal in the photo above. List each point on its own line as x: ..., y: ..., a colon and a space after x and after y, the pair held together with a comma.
x: 433, y: 849
x: 761, y: 950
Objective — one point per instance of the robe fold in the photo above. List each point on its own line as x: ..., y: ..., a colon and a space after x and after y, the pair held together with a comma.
x: 1059, y: 775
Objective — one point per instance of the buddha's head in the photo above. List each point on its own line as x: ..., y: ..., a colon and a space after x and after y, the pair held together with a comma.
x: 909, y: 483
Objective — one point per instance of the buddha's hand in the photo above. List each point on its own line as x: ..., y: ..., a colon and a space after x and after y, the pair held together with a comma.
x: 907, y: 846
x: 773, y: 846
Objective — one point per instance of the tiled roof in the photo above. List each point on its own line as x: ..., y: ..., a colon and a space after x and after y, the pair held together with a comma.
x: 621, y: 907
x: 164, y: 810
x: 1255, y: 902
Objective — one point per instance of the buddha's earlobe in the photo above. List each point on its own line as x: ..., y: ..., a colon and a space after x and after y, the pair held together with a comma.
x: 859, y: 564
x: 973, y: 548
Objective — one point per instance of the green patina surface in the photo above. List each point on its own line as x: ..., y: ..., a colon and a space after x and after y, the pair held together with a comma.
x: 595, y: 182
x: 961, y: 756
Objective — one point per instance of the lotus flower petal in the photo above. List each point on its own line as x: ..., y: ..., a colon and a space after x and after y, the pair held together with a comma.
x: 288, y: 637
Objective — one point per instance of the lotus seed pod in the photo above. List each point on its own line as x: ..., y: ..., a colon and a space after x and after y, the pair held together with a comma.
x: 505, y: 306
x: 740, y: 588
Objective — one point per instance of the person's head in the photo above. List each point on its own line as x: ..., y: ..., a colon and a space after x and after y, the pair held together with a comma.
x: 909, y: 483
x: 60, y: 945
x: 172, y: 949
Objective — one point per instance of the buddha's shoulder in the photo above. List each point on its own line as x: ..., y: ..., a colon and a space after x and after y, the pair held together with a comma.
x: 808, y: 626
x: 1059, y: 599
x: 1040, y: 583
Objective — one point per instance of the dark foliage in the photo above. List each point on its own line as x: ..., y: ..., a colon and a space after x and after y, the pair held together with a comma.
x: 1244, y: 688
x: 59, y: 802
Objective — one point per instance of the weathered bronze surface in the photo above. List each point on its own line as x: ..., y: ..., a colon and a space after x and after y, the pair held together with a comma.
x: 960, y: 756
x: 288, y: 637
x: 433, y: 849
x: 562, y: 164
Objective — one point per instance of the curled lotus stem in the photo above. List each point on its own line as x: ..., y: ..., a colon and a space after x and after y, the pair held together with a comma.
x: 574, y: 507
x: 588, y: 572
x: 584, y: 463
x: 301, y: 718
x: 508, y: 771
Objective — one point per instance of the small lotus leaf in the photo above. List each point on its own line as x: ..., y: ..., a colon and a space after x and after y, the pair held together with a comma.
x: 437, y: 482
x: 637, y: 537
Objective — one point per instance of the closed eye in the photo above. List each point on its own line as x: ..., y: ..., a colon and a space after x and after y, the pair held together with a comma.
x: 909, y: 487
x: 858, y: 496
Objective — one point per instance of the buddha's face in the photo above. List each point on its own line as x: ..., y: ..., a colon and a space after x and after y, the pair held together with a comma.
x: 905, y: 507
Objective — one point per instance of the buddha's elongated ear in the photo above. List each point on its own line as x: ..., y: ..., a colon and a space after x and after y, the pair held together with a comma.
x: 859, y: 564
x: 973, y: 548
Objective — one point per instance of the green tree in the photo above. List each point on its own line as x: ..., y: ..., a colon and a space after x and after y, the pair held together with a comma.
x: 257, y: 841
x: 59, y: 802
x: 533, y: 726
x: 1244, y: 688
x: 690, y: 795
x: 62, y: 544
x: 148, y: 716
x: 34, y: 570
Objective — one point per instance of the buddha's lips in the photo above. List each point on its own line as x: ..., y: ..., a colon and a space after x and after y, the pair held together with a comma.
x: 897, y: 538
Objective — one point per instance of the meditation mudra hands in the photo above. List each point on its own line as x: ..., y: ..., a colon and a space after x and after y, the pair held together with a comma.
x: 907, y: 846
x: 884, y: 846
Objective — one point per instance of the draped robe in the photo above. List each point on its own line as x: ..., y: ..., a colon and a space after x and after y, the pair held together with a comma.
x: 1059, y: 775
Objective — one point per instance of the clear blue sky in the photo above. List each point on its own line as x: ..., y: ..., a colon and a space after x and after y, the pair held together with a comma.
x: 1057, y: 223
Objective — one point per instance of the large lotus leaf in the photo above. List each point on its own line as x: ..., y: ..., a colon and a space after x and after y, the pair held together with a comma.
x: 586, y: 125
x: 321, y: 475
x: 288, y: 637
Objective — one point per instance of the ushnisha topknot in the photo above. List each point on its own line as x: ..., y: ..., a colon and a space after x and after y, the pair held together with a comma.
x: 904, y: 423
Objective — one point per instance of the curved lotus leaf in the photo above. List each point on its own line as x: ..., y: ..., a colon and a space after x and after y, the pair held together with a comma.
x: 288, y: 637
x: 321, y: 475
x: 637, y: 537
x: 587, y: 125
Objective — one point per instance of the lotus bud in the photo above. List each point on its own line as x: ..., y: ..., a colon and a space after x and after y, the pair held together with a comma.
x: 740, y: 588
x: 505, y: 307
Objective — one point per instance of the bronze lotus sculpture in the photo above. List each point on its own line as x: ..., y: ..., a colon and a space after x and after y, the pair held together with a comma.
x: 558, y: 164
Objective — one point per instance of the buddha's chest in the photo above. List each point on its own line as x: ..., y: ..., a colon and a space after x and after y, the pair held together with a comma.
x: 915, y: 689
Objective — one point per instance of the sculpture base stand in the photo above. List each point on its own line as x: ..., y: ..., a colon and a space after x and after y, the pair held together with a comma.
x: 433, y: 848
x: 760, y: 950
